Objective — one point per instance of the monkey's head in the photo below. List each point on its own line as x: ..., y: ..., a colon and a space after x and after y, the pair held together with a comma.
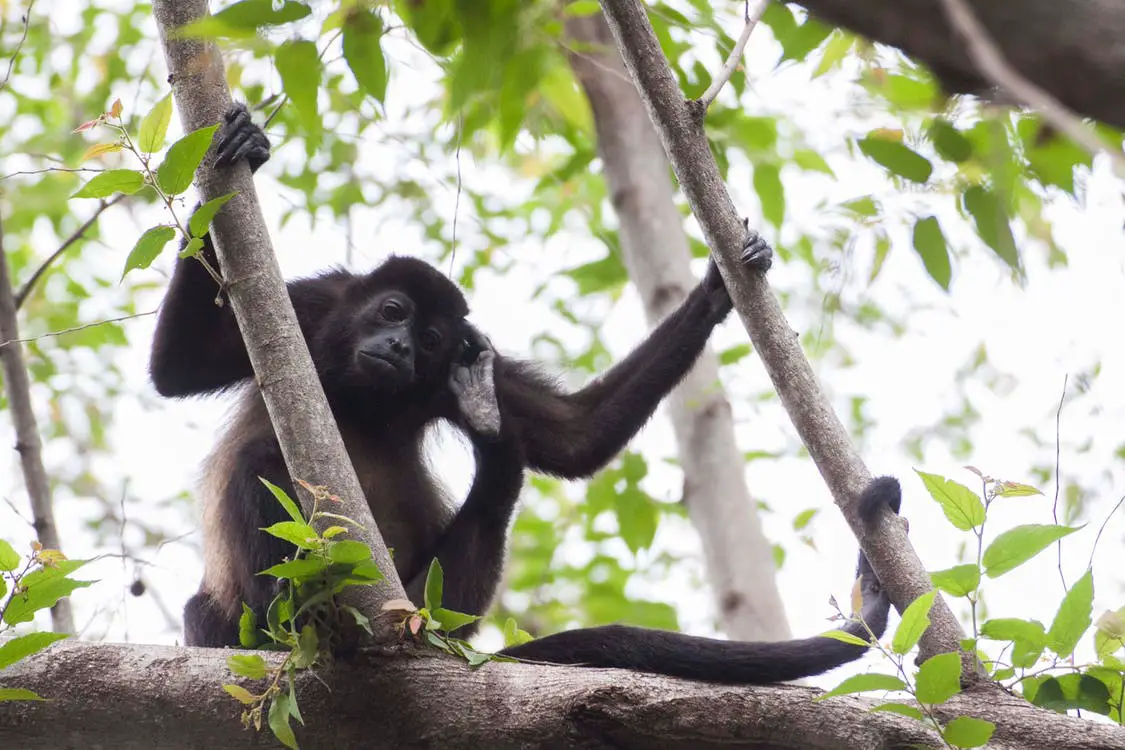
x: 396, y: 332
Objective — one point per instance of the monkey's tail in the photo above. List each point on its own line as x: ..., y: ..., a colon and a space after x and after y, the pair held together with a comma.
x: 713, y: 660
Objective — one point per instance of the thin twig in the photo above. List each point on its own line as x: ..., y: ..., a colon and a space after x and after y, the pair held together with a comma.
x: 50, y: 169
x: 1058, y: 451
x: 19, y: 45
x: 457, y: 195
x: 735, y: 57
x: 988, y: 58
x: 1098, y: 538
x: 75, y: 329
x: 29, y: 285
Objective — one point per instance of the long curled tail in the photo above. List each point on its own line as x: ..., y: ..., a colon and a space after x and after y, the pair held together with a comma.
x: 713, y: 660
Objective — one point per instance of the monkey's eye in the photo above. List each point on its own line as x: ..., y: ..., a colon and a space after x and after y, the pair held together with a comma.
x: 430, y: 339
x: 393, y: 311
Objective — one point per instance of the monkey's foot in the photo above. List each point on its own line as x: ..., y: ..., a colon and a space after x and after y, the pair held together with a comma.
x: 756, y: 252
x: 239, y: 138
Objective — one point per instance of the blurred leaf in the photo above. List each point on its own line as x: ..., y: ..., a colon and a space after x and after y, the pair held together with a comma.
x: 298, y: 64
x: 929, y: 242
x: 992, y: 223
x: 9, y: 558
x: 948, y: 141
x: 767, y: 183
x: 18, y: 694
x: 896, y: 158
x: 363, y: 52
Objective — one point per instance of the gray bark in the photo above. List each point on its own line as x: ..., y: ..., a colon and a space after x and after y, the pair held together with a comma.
x: 681, y: 129
x: 1073, y: 49
x: 310, y: 440
x: 28, y: 443
x: 739, y: 561
x: 154, y: 697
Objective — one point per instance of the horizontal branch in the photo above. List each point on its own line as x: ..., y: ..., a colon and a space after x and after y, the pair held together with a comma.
x: 155, y: 697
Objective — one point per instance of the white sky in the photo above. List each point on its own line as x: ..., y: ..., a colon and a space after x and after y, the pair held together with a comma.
x: 1061, y: 323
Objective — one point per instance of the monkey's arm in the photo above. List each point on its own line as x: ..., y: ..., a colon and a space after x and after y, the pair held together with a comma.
x: 575, y: 434
x: 197, y: 347
x: 471, y: 549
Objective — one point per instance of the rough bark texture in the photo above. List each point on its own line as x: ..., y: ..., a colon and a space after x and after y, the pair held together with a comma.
x: 283, y: 368
x: 28, y: 443
x: 1073, y: 49
x: 154, y: 697
x: 680, y: 126
x: 739, y: 560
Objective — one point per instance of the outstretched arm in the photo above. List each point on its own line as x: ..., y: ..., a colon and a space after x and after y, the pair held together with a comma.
x: 575, y: 434
x: 198, y: 347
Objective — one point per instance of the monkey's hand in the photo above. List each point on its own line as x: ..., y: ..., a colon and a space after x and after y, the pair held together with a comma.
x: 474, y: 387
x: 239, y: 138
x: 756, y: 255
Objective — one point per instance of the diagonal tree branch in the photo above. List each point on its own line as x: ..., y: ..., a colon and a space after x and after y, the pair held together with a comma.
x: 681, y: 129
x: 28, y: 443
x: 283, y: 368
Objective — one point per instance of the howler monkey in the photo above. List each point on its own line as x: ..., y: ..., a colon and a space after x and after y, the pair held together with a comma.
x: 390, y: 347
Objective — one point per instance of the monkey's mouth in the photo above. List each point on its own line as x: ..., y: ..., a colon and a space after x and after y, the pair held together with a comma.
x: 384, y: 369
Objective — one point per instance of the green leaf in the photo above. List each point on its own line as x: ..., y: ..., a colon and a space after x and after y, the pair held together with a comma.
x: 51, y: 572
x: 17, y: 648
x: 839, y: 44
x: 991, y: 221
x: 363, y: 52
x: 304, y: 567
x: 803, y: 518
x: 299, y: 67
x: 865, y: 206
x: 127, y: 181
x: 960, y: 504
x: 811, y: 161
x: 192, y: 248
x: 1027, y: 636
x: 637, y: 518
x: 959, y: 580
x: 1073, y: 617
x: 939, y: 678
x: 580, y: 8
x: 281, y: 495
x: 43, y: 595
x: 914, y: 622
x: 1109, y: 637
x: 734, y: 354
x: 1017, y: 545
x: 148, y: 247
x: 360, y: 619
x: 348, y: 551
x: 948, y: 142
x: 864, y: 683
x: 239, y: 693
x: 1015, y: 489
x: 451, y: 620
x: 513, y: 636
x: 250, y: 14
x: 200, y: 222
x: 771, y: 193
x: 1070, y: 691
x: 897, y: 158
x: 175, y: 173
x: 9, y: 558
x: 929, y: 243
x: 965, y: 731
x: 845, y: 637
x: 279, y: 720
x: 250, y: 666
x: 247, y: 627
x: 434, y: 582
x: 299, y: 534
x: 18, y: 694
x: 902, y: 709
x: 308, y: 644
x: 154, y: 126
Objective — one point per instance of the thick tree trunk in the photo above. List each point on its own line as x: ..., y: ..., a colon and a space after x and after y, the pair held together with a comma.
x: 1073, y: 49
x: 283, y: 369
x: 128, y: 697
x: 739, y: 560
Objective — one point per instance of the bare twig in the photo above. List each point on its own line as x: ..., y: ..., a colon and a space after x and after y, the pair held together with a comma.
x: 735, y: 58
x: 884, y: 542
x: 1105, y: 522
x: 45, y: 170
x: 28, y: 443
x: 1058, y: 454
x: 6, y: 342
x: 988, y: 58
x: 29, y: 285
x: 19, y: 44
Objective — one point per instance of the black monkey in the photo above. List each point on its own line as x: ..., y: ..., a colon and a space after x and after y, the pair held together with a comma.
x: 390, y: 350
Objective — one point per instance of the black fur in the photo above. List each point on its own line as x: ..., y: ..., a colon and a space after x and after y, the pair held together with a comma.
x: 714, y: 660
x: 385, y: 388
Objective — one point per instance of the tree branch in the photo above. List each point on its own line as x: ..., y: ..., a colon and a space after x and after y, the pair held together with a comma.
x: 990, y: 60
x: 680, y: 125
x: 29, y: 285
x: 280, y: 357
x: 159, y: 697
x: 28, y: 443
x: 735, y: 58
